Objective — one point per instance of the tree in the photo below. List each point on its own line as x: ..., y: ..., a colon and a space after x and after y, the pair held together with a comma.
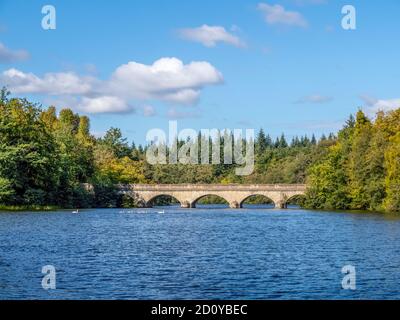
x: 116, y: 142
x: 392, y: 181
x: 313, y: 140
x: 328, y: 182
x: 375, y: 163
x: 28, y: 155
x: 68, y: 119
x: 75, y: 149
x: 282, y: 142
x: 4, y: 94
x: 262, y: 142
x: 49, y: 118
x: 46, y: 159
x: 6, y: 190
x: 358, y: 169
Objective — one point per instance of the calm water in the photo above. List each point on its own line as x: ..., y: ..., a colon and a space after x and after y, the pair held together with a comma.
x: 199, y: 254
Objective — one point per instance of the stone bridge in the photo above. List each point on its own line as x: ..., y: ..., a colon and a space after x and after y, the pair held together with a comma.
x: 235, y: 195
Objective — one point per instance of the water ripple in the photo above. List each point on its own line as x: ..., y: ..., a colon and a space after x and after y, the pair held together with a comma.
x: 199, y: 254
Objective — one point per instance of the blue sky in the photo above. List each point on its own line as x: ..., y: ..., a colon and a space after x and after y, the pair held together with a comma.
x: 237, y: 64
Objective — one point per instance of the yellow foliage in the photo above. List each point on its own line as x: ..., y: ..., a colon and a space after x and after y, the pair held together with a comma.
x: 124, y: 170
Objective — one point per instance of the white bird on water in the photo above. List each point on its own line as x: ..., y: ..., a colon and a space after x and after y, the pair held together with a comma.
x: 77, y: 211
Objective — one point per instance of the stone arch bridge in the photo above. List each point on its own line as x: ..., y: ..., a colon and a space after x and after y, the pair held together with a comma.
x: 235, y: 195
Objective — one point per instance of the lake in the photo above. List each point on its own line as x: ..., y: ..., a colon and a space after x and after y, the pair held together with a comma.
x: 199, y: 253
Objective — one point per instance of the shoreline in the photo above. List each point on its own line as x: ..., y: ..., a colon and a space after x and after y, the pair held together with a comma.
x: 4, y: 208
x: 16, y: 209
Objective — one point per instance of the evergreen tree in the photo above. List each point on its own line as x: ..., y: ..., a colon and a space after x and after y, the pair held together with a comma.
x: 261, y: 142
x: 114, y: 140
x: 282, y: 142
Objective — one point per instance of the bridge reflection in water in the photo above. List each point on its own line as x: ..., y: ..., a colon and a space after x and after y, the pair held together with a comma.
x: 235, y: 195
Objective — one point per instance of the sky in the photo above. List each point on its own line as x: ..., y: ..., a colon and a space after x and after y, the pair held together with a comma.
x: 284, y: 66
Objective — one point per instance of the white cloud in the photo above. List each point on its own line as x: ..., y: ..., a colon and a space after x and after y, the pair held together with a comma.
x: 51, y: 83
x: 7, y: 55
x: 316, y: 98
x: 167, y: 79
x: 277, y: 14
x: 209, y: 36
x: 387, y: 105
x: 375, y: 105
x: 104, y: 104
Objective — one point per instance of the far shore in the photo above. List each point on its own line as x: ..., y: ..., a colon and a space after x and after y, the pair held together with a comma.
x: 16, y: 209
x: 28, y: 208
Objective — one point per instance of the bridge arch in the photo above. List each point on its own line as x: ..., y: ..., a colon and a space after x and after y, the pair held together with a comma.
x: 194, y: 201
x: 300, y: 196
x: 150, y: 201
x: 264, y: 197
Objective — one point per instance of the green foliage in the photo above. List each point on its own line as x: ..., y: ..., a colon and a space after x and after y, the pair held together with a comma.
x: 358, y: 169
x: 328, y: 182
x: 106, y: 195
x: 43, y: 159
x: 6, y: 190
x: 362, y: 169
x: 116, y: 143
x: 392, y: 181
x: 46, y: 159
x: 28, y: 157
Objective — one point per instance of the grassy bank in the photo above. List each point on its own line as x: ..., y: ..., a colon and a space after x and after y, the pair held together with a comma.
x: 28, y: 208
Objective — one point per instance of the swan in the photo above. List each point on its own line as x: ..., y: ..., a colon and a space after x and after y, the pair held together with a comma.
x: 77, y: 211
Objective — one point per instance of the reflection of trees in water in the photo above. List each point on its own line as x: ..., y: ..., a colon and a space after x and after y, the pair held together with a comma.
x: 258, y: 199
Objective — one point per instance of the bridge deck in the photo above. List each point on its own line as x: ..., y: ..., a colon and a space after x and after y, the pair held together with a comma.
x: 215, y: 187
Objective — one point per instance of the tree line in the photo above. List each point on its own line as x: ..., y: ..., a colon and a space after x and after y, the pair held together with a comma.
x: 49, y: 159
x: 362, y: 168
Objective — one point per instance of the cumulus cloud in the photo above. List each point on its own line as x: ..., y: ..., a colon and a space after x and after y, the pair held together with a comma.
x: 104, y: 104
x: 374, y: 105
x: 387, y: 105
x: 278, y: 15
x: 51, y: 83
x: 7, y: 55
x: 209, y: 36
x: 167, y: 79
x: 316, y: 98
